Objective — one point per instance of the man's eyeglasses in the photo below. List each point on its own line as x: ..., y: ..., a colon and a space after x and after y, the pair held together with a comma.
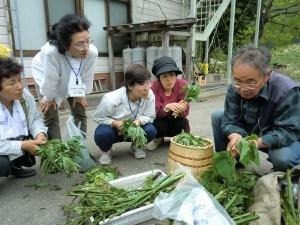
x: 247, y: 85
x: 83, y: 45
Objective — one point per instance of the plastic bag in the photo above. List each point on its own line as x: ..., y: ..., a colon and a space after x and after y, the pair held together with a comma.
x: 191, y: 204
x: 85, y: 161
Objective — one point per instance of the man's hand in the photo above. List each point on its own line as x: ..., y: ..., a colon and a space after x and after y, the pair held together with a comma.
x: 80, y: 100
x: 30, y: 146
x: 234, y: 138
x: 46, y: 105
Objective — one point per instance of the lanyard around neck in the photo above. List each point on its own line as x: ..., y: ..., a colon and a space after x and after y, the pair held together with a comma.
x: 78, y: 72
x: 134, y: 114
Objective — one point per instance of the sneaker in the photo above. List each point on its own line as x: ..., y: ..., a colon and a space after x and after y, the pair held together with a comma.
x: 138, y: 153
x: 152, y: 145
x: 20, y: 172
x: 105, y: 158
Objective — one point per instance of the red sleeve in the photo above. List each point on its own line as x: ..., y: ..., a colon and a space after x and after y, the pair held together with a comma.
x: 159, y: 99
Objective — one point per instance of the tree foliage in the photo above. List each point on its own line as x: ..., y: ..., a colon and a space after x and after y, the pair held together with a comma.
x: 279, y: 24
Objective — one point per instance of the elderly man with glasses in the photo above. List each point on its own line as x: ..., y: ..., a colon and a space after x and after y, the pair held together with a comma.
x: 263, y: 102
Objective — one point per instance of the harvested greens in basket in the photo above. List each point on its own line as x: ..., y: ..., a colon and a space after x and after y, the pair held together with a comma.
x: 58, y: 156
x: 190, y: 140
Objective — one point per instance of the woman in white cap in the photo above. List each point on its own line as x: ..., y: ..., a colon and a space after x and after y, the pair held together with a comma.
x: 169, y: 101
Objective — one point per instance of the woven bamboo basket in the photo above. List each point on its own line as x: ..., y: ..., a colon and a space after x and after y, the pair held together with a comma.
x: 198, y: 159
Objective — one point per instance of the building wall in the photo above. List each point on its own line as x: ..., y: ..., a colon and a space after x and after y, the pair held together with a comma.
x: 159, y: 10
x: 4, y: 25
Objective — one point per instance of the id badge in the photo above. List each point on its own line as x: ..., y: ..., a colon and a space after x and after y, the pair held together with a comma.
x: 76, y: 88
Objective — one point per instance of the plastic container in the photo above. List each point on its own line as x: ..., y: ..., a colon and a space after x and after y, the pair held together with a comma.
x: 138, y: 215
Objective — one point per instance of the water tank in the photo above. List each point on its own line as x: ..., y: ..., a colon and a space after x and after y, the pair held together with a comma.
x: 177, y: 55
x: 151, y: 55
x: 160, y: 52
x: 127, y: 58
x: 138, y: 56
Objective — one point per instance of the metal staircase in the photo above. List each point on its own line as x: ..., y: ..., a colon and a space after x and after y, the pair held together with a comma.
x: 209, y: 13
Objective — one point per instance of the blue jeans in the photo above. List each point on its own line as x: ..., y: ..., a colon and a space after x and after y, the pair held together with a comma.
x: 281, y: 158
x: 105, y: 136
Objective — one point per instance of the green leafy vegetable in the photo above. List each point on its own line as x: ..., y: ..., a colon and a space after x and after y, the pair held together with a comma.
x: 230, y: 187
x: 188, y: 139
x: 101, y: 174
x: 134, y: 133
x: 58, y: 156
x: 192, y: 92
x: 248, y: 150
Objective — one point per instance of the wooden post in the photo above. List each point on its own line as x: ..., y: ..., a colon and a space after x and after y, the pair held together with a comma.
x: 111, y: 62
x: 188, y: 58
x: 165, y: 43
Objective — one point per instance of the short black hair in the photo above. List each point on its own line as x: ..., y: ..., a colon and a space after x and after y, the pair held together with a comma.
x: 136, y: 74
x: 61, y: 34
x: 9, y: 67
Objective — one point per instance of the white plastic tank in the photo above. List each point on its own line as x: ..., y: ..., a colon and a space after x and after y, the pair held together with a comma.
x: 138, y: 56
x: 177, y: 55
x: 127, y: 58
x: 151, y: 55
x: 160, y: 52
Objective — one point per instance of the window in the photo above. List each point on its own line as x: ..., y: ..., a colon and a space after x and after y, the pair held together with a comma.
x: 35, y: 18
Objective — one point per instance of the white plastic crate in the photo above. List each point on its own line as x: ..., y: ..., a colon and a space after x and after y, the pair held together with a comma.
x: 134, y: 216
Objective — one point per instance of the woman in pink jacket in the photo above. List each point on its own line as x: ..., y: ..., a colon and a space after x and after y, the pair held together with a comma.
x: 171, y: 109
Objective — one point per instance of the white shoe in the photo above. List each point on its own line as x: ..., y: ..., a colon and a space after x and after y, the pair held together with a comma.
x: 152, y: 145
x: 105, y: 158
x: 138, y: 153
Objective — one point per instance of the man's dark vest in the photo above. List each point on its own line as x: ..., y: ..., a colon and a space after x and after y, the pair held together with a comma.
x: 278, y: 88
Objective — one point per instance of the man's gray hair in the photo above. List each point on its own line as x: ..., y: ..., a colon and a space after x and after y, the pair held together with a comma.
x: 256, y: 57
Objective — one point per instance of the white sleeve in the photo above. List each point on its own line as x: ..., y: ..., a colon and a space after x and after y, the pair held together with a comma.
x: 88, y: 70
x: 104, y: 111
x: 52, y: 75
x: 149, y: 114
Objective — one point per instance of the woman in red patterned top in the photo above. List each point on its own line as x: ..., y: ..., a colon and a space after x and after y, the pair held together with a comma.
x: 171, y: 109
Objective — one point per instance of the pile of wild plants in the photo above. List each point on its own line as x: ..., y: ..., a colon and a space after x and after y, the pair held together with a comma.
x: 58, y: 156
x: 134, y: 133
x: 100, y: 200
x: 232, y: 187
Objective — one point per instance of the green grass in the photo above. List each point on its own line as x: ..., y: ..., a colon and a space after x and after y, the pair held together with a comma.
x: 289, y: 56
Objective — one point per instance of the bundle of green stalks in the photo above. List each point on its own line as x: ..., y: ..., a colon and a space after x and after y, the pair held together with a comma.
x: 58, y: 156
x: 134, y: 133
x: 290, y: 210
x: 103, y: 201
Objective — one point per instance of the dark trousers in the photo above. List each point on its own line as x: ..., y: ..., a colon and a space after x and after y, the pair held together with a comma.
x: 51, y: 119
x: 25, y: 160
x: 169, y: 127
x: 105, y: 136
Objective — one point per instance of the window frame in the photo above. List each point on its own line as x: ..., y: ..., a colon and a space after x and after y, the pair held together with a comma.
x: 79, y: 9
